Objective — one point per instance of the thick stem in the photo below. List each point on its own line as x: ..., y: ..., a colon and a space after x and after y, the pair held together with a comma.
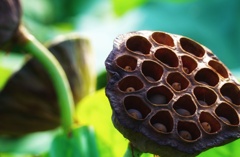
x: 57, y: 75
x: 132, y: 151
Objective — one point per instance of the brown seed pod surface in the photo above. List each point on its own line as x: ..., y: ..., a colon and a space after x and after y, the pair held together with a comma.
x: 10, y: 11
x: 187, y: 98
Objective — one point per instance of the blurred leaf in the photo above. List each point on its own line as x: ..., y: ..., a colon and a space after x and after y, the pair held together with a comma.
x: 176, y: 1
x: 101, y: 80
x: 53, y: 10
x: 212, y: 23
x: 9, y: 63
x: 120, y: 7
x: 95, y: 110
x: 231, y: 150
x: 79, y: 142
x: 35, y: 143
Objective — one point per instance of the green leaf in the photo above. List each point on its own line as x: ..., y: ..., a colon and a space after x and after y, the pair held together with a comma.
x: 95, y: 110
x: 120, y: 7
x: 9, y: 63
x: 79, y: 142
x: 35, y: 143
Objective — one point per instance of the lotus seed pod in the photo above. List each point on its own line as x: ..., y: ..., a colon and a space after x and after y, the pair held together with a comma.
x: 9, y: 20
x: 181, y: 89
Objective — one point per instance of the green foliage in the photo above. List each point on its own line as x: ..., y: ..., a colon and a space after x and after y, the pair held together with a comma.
x: 30, y: 144
x: 79, y: 142
x: 121, y: 7
x: 9, y: 63
x: 94, y: 110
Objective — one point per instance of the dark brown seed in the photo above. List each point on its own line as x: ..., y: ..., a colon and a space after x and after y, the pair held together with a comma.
x: 176, y: 86
x: 150, y: 78
x: 130, y: 89
x: 160, y: 127
x: 225, y: 120
x: 158, y: 99
x: 135, y: 113
x: 228, y: 99
x: 206, y: 126
x: 202, y: 102
x: 128, y: 68
x: 186, y: 70
x: 185, y: 135
x: 183, y: 112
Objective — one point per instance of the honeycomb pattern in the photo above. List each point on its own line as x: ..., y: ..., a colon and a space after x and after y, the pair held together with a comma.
x: 171, y: 91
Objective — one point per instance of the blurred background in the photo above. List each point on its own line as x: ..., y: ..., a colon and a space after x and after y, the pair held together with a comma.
x: 213, y: 23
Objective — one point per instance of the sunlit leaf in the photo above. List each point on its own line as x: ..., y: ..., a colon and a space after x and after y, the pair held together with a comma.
x: 95, y: 110
x: 9, y: 63
x: 79, y: 142
x: 120, y: 7
x: 35, y: 143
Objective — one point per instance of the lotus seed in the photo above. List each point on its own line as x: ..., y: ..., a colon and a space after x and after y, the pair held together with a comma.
x: 186, y: 70
x: 202, y: 102
x: 206, y: 126
x: 176, y: 86
x: 150, y: 78
x: 128, y: 68
x: 135, y: 113
x: 158, y: 99
x: 185, y: 135
x: 160, y: 127
x: 225, y: 120
x: 229, y: 99
x: 130, y: 89
x: 183, y: 112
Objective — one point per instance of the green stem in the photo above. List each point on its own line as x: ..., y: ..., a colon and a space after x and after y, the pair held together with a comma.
x: 132, y: 151
x: 58, y: 76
